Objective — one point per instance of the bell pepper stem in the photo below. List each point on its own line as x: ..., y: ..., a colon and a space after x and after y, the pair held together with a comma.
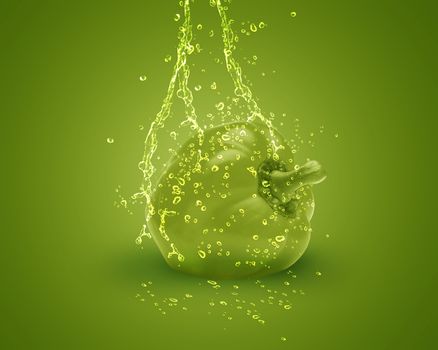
x: 285, y: 183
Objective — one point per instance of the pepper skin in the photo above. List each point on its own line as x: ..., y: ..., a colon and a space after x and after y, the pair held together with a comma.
x: 232, y: 207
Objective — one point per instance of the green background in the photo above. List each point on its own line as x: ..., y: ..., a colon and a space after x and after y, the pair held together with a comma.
x: 71, y: 270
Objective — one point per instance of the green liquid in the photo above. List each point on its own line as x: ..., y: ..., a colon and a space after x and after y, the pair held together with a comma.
x: 179, y: 84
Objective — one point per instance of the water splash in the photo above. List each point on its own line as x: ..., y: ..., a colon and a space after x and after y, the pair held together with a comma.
x: 234, y: 69
x: 179, y: 85
x: 227, y: 301
x: 180, y: 76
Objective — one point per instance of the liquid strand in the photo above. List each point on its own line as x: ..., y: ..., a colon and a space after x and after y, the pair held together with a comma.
x: 180, y: 74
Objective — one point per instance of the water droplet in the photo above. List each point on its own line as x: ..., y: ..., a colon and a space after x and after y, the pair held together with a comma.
x: 283, y: 338
x: 318, y: 273
x: 199, y: 27
x: 266, y: 183
x: 213, y: 86
x: 173, y: 135
x: 279, y: 238
x: 110, y: 140
x: 226, y: 137
x: 214, y: 168
x: 143, y: 78
x: 255, y: 237
x: 177, y: 17
x: 253, y: 27
x: 220, y: 106
x: 287, y: 307
x: 198, y: 87
x: 293, y: 14
x: 168, y: 58
x: 262, y: 25
x: 201, y: 254
x: 211, y: 33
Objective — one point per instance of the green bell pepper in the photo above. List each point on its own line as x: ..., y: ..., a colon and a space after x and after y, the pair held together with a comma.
x: 231, y: 207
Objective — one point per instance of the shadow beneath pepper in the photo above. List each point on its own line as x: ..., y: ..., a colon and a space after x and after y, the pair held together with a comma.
x: 136, y: 266
x: 306, y: 264
x: 304, y: 269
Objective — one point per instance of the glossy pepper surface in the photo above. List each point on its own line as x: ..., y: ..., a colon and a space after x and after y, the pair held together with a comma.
x: 235, y: 206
